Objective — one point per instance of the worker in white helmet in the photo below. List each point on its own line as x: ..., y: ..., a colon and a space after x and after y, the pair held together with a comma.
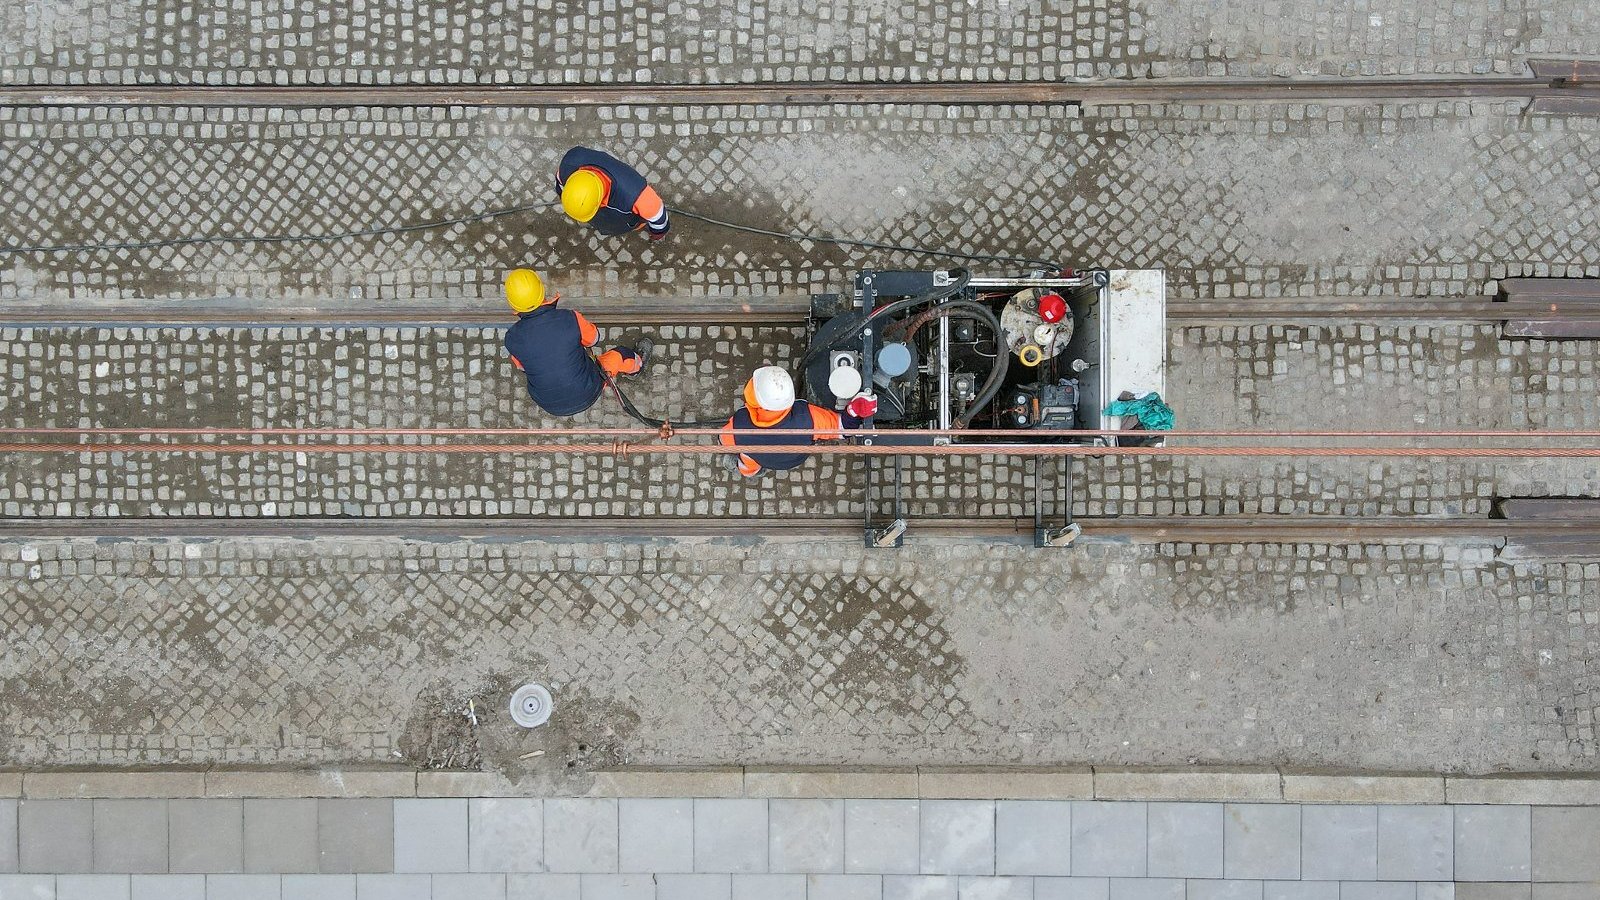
x: 770, y: 406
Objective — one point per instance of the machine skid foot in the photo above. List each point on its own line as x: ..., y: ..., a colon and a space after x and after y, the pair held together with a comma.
x: 1056, y: 537
x: 889, y: 537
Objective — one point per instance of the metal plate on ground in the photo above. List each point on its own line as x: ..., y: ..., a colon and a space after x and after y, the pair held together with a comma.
x: 531, y: 705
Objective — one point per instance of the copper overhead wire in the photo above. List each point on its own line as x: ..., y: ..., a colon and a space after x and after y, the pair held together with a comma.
x: 710, y: 432
x: 625, y: 449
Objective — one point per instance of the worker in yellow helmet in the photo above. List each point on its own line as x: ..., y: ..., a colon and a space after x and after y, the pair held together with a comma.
x: 609, y: 195
x: 551, y: 347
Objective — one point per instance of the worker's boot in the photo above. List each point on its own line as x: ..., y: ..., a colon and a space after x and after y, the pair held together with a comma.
x: 642, y: 348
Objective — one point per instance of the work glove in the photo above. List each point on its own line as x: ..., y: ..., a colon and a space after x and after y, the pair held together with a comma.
x: 863, y: 406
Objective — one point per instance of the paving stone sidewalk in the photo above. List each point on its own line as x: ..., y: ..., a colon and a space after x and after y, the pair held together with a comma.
x: 753, y: 651
x: 1394, y: 377
x: 781, y: 849
x: 1235, y: 200
x: 181, y: 41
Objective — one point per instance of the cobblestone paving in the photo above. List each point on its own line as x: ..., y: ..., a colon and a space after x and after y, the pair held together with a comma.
x: 269, y: 651
x: 1401, y: 198
x: 182, y: 41
x: 1396, y: 377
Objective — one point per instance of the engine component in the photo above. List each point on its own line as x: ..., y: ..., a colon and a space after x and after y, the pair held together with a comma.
x: 1030, y: 354
x: 1057, y: 406
x: 1044, y: 406
x: 894, y: 359
x: 849, y: 358
x: 964, y: 387
x: 1052, y: 308
x: 1022, y: 324
x: 844, y: 382
x: 891, y: 405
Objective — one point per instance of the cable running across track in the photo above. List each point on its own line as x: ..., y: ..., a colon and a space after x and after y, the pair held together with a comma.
x: 484, y: 216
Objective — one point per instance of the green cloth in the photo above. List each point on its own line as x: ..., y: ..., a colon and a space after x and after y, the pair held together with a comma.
x: 1150, y: 411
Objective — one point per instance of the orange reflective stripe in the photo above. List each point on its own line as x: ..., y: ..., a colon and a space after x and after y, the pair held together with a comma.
x: 587, y: 333
x: 747, y: 466
x: 516, y: 362
x: 828, y: 425
x: 649, y: 205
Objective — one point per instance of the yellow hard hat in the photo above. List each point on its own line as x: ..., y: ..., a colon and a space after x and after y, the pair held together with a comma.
x: 524, y: 290
x: 582, y: 195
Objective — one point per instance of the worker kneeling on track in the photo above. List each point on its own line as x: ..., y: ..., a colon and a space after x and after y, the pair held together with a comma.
x: 609, y: 195
x: 551, y: 347
x: 770, y: 406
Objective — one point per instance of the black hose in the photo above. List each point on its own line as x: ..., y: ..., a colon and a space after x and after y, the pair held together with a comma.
x: 1002, y: 361
x: 634, y: 413
x: 856, y: 242
x: 962, y: 276
x: 373, y: 231
x: 997, y: 372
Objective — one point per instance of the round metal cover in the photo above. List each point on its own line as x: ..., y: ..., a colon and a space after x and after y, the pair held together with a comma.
x: 1022, y: 324
x: 844, y: 382
x: 894, y: 359
x: 531, y: 705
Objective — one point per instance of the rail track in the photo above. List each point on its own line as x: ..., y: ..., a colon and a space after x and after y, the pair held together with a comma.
x: 1553, y: 87
x: 1558, y: 86
x: 1196, y: 529
x: 775, y: 311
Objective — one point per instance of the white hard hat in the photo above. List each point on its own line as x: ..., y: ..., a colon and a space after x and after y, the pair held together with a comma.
x: 774, y: 389
x: 844, y: 381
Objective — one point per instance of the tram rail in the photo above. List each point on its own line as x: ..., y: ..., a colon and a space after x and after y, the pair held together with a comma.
x: 778, y: 311
x: 1221, y: 529
x: 1563, y: 86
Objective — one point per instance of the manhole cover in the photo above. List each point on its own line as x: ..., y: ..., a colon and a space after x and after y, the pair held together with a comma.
x: 531, y: 705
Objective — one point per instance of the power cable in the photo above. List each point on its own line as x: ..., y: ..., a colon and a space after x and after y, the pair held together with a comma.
x: 282, y: 238
x: 495, y: 214
x: 856, y: 242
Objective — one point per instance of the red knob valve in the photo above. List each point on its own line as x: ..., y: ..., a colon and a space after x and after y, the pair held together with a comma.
x: 1052, y: 308
x: 863, y: 406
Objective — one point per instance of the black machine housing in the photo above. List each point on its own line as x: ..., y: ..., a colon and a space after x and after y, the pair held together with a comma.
x: 960, y: 334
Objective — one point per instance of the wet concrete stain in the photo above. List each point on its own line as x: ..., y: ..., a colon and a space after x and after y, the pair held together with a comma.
x: 863, y: 641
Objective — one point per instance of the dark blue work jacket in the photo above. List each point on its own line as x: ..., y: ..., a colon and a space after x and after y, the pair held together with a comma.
x: 616, y: 215
x: 562, y: 378
x: 798, y: 419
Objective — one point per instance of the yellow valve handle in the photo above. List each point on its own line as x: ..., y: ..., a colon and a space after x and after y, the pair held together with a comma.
x: 1030, y: 354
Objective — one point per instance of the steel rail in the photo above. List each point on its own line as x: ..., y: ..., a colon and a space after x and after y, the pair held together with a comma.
x: 790, y: 312
x: 1155, y: 529
x: 373, y: 317
x: 1364, y: 309
x: 1076, y: 93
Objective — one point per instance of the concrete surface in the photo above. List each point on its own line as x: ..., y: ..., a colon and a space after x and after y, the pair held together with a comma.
x: 666, y: 848
x: 1399, y: 657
